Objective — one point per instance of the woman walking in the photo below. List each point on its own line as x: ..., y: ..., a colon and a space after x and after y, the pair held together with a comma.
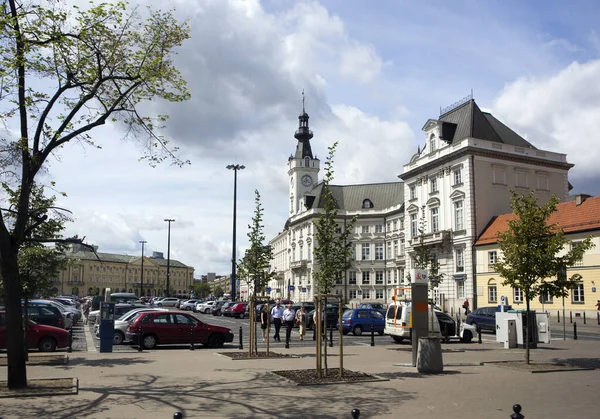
x: 264, y: 322
x: 301, y: 322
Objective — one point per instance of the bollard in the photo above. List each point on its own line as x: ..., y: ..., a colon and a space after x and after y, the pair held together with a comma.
x: 598, y: 315
x: 70, y: 349
x: 331, y: 336
x: 478, y: 333
x: 570, y: 317
x: 558, y: 312
x: 372, y: 336
x: 139, y: 338
x: 241, y: 344
x: 178, y: 415
x: 584, y: 321
x: 517, y: 412
x: 355, y: 413
x: 575, y: 331
x: 192, y: 338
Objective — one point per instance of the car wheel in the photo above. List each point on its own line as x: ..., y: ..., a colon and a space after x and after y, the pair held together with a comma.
x: 188, y: 308
x: 380, y: 333
x: 345, y: 332
x: 118, y: 338
x: 241, y: 316
x: 397, y: 339
x: 216, y: 340
x: 357, y: 331
x: 47, y: 345
x: 149, y: 341
x: 160, y: 305
x: 467, y: 337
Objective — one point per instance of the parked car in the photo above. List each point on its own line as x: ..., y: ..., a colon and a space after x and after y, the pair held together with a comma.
x: 122, y: 323
x: 358, y: 320
x: 226, y: 307
x: 376, y: 306
x: 237, y: 310
x: 216, y: 308
x: 120, y: 309
x: 71, y: 314
x: 188, y: 305
x: 43, y: 337
x: 331, y: 313
x: 161, y: 328
x: 205, y: 307
x: 167, y: 302
x: 47, y: 314
x: 67, y: 308
x: 484, y: 317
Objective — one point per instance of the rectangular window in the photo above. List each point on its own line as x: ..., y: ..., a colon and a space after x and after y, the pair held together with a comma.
x: 457, y: 176
x: 389, y: 250
x: 379, y: 228
x: 460, y: 289
x: 458, y: 216
x: 414, y: 227
x: 498, y: 175
x: 517, y: 295
x: 401, y: 247
x: 366, y: 294
x: 432, y: 144
x: 573, y: 246
x: 492, y: 257
x: 353, y: 256
x: 389, y: 226
x: 379, y: 277
x: 546, y: 298
x: 460, y: 260
x: 433, y: 185
x: 435, y: 220
x: 395, y: 225
x: 352, y: 277
x: 402, y: 223
x: 395, y: 248
x: 520, y: 178
x: 542, y: 181
x: 412, y: 192
x: 389, y: 277
x: 365, y: 229
x: 366, y: 252
x: 379, y: 294
x: 577, y: 294
x: 353, y: 294
x: 366, y: 278
x: 378, y: 251
x: 492, y: 294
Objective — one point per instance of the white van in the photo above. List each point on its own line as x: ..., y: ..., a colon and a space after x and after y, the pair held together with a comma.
x: 398, y: 322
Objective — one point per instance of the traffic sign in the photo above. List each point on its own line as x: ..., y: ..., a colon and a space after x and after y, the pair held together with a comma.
x: 291, y: 288
x: 303, y: 289
x: 503, y: 300
x: 268, y: 289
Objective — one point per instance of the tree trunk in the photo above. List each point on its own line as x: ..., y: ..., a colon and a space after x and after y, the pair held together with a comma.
x: 527, y: 323
x: 325, y: 338
x: 17, y: 370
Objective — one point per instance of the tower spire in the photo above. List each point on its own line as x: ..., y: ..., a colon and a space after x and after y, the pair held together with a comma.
x: 303, y: 133
x: 303, y: 97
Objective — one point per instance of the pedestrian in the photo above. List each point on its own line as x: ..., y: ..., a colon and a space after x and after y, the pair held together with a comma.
x: 598, y: 305
x: 301, y: 322
x: 86, y: 311
x: 264, y: 322
x: 289, y: 315
x: 466, y: 306
x: 277, y: 315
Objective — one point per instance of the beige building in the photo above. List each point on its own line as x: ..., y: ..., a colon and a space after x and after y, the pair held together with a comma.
x: 90, y: 273
x: 579, y: 218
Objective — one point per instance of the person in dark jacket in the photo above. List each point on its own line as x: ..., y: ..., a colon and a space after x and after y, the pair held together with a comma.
x: 264, y: 322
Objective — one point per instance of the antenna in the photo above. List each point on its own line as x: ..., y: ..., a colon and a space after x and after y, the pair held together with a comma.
x: 303, y: 97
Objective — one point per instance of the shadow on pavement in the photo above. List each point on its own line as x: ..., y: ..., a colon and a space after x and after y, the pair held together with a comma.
x: 248, y: 398
x: 106, y: 362
x: 400, y: 375
x: 579, y: 362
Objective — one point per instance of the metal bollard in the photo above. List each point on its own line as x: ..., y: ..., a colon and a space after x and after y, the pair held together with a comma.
x: 178, y: 415
x: 558, y: 312
x: 575, y: 331
x: 331, y: 336
x: 570, y: 317
x: 517, y: 412
x: 584, y: 321
x: 355, y: 413
x: 479, y: 334
x: 372, y: 336
x: 70, y: 349
x: 241, y: 344
x: 598, y: 315
x: 192, y: 338
x: 140, y: 339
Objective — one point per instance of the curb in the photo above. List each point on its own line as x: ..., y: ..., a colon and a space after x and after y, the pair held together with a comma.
x: 73, y: 391
x: 375, y: 379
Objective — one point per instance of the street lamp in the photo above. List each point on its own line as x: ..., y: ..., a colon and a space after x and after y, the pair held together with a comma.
x: 235, y: 168
x: 142, y: 277
x: 169, y: 220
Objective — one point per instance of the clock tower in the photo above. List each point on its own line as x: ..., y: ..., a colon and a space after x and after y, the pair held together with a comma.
x: 303, y: 167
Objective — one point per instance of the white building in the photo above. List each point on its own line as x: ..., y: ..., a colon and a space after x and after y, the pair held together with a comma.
x: 459, y: 181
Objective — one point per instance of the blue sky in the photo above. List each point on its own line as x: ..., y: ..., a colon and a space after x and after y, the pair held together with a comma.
x: 373, y: 72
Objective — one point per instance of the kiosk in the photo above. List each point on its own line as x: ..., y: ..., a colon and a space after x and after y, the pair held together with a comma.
x: 107, y: 326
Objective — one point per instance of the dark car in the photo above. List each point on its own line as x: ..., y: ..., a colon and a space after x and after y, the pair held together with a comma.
x: 46, y: 314
x: 217, y: 307
x: 358, y: 320
x: 332, y: 314
x: 44, y: 338
x: 226, y: 308
x: 161, y: 328
x: 484, y: 317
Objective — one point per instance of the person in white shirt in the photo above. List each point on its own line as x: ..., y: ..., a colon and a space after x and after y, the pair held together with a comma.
x: 289, y: 315
x: 277, y: 315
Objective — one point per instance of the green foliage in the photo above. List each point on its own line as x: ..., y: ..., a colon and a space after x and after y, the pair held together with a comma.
x: 254, y: 266
x: 333, y: 248
x: 218, y: 291
x: 425, y: 257
x: 201, y: 289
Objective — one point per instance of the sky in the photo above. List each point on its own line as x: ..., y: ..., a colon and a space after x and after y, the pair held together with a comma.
x: 373, y: 73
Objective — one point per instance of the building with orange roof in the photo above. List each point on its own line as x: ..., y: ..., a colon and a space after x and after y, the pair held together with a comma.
x: 579, y: 218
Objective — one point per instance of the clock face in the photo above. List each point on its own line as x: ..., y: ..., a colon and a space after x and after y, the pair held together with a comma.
x: 307, y: 180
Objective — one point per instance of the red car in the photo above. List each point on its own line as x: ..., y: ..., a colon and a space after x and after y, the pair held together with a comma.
x: 45, y: 338
x: 238, y: 310
x: 162, y: 328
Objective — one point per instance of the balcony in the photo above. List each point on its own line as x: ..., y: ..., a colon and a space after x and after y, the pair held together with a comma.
x: 400, y: 259
x: 431, y: 239
x: 298, y: 264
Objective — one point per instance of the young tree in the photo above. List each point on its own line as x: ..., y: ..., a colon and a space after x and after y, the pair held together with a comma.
x: 202, y: 289
x: 530, y: 251
x: 96, y: 65
x: 218, y: 291
x: 333, y: 248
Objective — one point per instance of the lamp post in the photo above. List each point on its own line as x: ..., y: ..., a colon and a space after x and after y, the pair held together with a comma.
x: 235, y: 168
x: 169, y: 220
x: 142, y: 274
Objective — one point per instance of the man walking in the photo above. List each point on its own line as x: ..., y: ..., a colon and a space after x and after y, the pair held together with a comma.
x: 289, y: 315
x: 277, y: 315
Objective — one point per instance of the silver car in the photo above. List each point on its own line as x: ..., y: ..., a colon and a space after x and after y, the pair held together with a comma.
x: 167, y: 302
x: 188, y: 305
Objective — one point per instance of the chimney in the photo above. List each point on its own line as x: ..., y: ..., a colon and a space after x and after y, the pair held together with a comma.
x: 579, y: 199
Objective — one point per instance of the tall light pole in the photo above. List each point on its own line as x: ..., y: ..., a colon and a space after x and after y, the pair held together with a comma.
x: 235, y: 168
x: 142, y: 277
x: 169, y: 220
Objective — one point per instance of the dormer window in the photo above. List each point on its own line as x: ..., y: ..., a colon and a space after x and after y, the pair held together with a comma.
x: 432, y: 143
x: 367, y: 204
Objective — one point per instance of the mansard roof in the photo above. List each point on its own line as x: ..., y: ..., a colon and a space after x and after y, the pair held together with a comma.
x: 351, y: 197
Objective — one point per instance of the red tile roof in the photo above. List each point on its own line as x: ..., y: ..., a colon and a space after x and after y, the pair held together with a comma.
x: 569, y: 216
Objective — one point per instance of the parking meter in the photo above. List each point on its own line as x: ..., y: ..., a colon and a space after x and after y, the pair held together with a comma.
x: 107, y: 326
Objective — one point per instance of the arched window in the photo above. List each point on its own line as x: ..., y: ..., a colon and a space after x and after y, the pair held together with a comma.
x: 367, y: 204
x: 432, y: 144
x: 492, y: 291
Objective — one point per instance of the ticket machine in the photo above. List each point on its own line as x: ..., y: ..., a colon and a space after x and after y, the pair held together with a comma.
x: 107, y: 326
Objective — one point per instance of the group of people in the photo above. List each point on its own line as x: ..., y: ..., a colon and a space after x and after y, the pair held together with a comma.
x: 280, y: 316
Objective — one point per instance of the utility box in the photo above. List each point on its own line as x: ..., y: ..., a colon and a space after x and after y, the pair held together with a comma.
x: 520, y: 319
x: 511, y: 335
x: 543, y: 327
x: 107, y: 326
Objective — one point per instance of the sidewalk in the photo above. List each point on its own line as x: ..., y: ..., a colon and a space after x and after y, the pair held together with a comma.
x: 201, y: 384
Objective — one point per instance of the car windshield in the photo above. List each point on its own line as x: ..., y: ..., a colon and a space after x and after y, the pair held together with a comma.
x: 347, y: 313
x: 390, y: 312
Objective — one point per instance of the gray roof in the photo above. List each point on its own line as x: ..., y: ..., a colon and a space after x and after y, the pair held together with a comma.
x: 116, y: 258
x: 351, y: 197
x: 467, y: 120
